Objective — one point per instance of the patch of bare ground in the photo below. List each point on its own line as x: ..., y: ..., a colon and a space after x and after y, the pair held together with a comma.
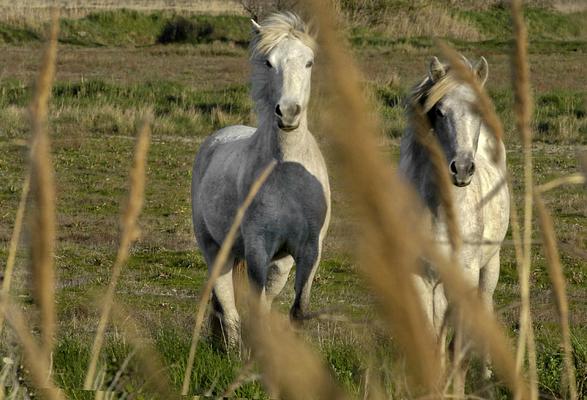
x: 549, y: 71
x: 189, y: 65
x: 199, y: 68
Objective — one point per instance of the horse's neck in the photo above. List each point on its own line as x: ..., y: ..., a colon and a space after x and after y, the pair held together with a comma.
x: 486, y: 149
x: 283, y: 146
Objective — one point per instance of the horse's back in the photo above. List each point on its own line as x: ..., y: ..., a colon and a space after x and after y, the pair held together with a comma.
x: 214, y: 180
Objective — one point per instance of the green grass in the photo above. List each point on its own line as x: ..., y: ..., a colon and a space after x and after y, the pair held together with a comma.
x: 132, y: 28
x: 550, y: 31
x: 560, y: 116
x: 542, y: 24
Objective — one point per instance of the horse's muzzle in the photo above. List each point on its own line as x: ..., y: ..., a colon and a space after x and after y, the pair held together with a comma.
x: 462, y: 169
x: 286, y: 128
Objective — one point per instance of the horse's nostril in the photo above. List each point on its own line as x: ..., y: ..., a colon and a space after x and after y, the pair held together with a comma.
x: 472, y: 168
x: 278, y: 111
x: 453, y: 167
x: 297, y: 109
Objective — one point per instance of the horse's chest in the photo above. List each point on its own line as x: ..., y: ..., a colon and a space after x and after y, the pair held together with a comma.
x: 290, y: 209
x: 310, y: 158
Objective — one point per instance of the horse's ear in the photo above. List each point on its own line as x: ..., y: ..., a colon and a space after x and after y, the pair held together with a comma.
x: 482, y: 70
x: 256, y: 26
x: 312, y: 29
x: 436, y: 69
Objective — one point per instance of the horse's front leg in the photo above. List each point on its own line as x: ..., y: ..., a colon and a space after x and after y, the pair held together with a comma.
x: 306, y: 265
x: 488, y: 278
x: 257, y: 266
x: 225, y: 320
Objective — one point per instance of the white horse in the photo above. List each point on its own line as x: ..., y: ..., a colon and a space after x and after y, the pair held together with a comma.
x: 288, y: 219
x: 481, y: 198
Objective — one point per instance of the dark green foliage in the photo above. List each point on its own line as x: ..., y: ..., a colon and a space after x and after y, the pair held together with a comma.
x: 14, y: 34
x: 112, y: 28
x: 182, y: 30
x: 205, y: 29
x: 135, y: 28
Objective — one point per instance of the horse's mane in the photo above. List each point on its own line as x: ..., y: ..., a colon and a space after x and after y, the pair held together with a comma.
x: 277, y: 27
x: 428, y: 92
x: 425, y: 95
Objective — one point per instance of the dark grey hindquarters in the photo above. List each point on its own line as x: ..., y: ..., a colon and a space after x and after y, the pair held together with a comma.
x: 286, y: 216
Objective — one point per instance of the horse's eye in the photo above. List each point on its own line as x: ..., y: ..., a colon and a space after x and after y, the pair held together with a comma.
x: 268, y: 64
x: 309, y: 64
x: 439, y: 112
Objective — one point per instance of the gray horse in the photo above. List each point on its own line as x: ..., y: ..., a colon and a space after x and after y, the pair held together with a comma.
x: 288, y: 219
x: 481, y: 199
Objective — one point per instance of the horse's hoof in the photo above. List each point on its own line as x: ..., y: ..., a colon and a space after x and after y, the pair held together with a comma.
x: 297, y: 317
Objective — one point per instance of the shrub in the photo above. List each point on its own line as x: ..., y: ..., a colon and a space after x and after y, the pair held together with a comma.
x: 184, y: 30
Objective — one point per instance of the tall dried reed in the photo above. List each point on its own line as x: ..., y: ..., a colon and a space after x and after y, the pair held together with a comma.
x: 291, y: 369
x: 572, y: 179
x: 13, y: 247
x: 484, y: 104
x: 391, y: 241
x: 151, y: 365
x: 523, y: 113
x: 129, y: 234
x: 43, y: 190
x: 422, y: 129
x: 482, y: 326
x: 215, y: 271
x: 38, y: 366
x: 557, y: 278
x: 388, y: 249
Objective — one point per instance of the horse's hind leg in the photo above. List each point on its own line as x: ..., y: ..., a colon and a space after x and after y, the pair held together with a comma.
x: 277, y: 275
x: 488, y: 278
x: 224, y: 320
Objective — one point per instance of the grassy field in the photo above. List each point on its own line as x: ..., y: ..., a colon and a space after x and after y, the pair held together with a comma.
x: 112, y: 69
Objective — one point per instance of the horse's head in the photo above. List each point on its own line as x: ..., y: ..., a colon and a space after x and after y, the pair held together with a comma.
x: 282, y: 56
x: 455, y: 119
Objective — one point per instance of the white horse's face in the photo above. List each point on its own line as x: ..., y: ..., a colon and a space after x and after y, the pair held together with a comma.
x: 458, y: 125
x: 288, y: 68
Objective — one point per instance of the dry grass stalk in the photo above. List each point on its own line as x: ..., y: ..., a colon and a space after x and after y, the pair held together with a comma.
x: 274, y: 345
x: 523, y: 112
x: 39, y: 366
x: 478, y: 322
x: 151, y: 364
x: 557, y: 278
x: 245, y: 375
x: 516, y: 230
x: 573, y: 179
x: 128, y: 236
x: 484, y: 104
x: 43, y: 190
x: 13, y: 247
x: 391, y: 245
x: 438, y: 159
x: 215, y: 271
x: 389, y: 250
